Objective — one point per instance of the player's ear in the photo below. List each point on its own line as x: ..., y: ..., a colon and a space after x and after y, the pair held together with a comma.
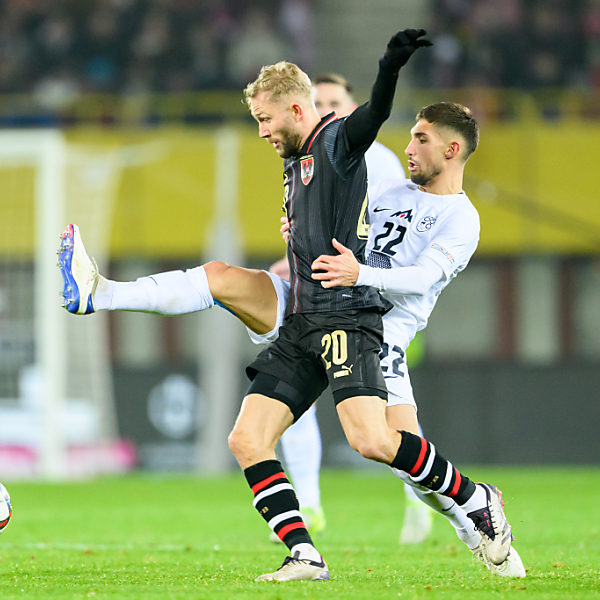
x: 453, y: 150
x: 297, y: 111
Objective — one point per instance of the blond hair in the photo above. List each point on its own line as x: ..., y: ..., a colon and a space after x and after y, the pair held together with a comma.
x: 280, y: 80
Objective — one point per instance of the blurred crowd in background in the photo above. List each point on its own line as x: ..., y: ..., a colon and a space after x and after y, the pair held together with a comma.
x: 522, y: 44
x: 128, y: 46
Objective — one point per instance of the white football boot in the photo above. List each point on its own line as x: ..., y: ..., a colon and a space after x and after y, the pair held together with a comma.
x: 79, y: 273
x: 298, y: 569
x: 491, y: 522
x: 511, y: 567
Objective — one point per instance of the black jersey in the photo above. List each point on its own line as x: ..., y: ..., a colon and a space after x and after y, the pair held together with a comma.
x: 325, y: 198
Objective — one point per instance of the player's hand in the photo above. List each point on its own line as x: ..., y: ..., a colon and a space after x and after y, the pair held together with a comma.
x: 332, y: 271
x: 281, y: 268
x: 285, y: 229
x: 401, y: 47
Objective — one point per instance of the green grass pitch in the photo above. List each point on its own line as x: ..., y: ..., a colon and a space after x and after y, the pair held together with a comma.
x: 186, y: 537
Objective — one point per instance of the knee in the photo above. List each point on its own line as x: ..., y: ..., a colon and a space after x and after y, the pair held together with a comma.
x: 217, y: 274
x: 243, y: 445
x: 372, y: 448
x: 216, y: 267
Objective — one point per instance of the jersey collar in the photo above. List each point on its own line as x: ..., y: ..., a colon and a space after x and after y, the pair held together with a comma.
x: 315, y: 132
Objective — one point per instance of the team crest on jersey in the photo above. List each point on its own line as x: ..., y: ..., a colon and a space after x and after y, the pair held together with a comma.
x: 425, y: 224
x: 307, y: 168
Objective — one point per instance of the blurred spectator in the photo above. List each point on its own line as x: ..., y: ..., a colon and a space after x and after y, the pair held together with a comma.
x: 256, y: 44
x: 152, y: 45
x: 512, y: 44
x: 592, y: 34
x: 179, y: 45
x: 296, y: 20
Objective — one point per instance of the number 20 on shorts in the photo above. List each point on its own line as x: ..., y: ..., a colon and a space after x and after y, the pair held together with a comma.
x: 337, y: 343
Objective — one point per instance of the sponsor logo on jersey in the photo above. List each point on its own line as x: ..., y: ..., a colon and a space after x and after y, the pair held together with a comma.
x: 404, y: 214
x: 307, y: 168
x: 444, y: 252
x: 377, y: 209
x: 425, y: 224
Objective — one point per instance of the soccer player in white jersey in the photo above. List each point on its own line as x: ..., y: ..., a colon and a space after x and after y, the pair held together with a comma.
x: 301, y: 443
x: 423, y: 233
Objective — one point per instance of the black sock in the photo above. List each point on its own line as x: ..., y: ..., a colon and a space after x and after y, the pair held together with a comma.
x: 276, y: 501
x: 419, y: 458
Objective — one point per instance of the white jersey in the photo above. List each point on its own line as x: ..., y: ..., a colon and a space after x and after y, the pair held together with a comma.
x: 406, y: 223
x: 382, y: 164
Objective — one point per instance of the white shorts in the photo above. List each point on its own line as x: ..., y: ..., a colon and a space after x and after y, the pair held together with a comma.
x: 282, y: 289
x: 393, y: 363
x: 395, y: 373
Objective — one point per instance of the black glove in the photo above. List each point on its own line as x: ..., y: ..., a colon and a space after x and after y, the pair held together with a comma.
x: 401, y: 47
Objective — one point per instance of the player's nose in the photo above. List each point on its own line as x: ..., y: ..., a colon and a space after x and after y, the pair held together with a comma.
x: 263, y: 131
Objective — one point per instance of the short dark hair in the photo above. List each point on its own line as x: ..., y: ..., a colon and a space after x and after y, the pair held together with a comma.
x: 456, y: 117
x: 333, y: 78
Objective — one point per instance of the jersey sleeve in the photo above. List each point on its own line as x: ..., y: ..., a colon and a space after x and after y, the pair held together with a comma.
x: 343, y: 160
x: 456, y: 240
x: 358, y: 131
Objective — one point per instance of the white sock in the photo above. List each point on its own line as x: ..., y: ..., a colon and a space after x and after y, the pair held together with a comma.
x: 301, y: 446
x: 465, y: 529
x: 171, y: 293
x: 306, y: 551
x: 477, y: 501
x: 409, y: 492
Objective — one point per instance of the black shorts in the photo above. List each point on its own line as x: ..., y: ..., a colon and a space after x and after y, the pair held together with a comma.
x: 315, y: 350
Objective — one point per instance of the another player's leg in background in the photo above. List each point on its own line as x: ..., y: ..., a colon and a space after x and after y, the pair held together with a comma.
x: 418, y: 518
x: 417, y: 521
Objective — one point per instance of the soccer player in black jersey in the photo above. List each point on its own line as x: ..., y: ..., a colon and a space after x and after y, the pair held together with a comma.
x: 330, y: 336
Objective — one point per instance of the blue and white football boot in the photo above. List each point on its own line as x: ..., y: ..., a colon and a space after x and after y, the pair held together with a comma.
x: 79, y: 273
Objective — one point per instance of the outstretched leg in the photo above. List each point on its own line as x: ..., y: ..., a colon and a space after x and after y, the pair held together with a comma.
x: 248, y: 293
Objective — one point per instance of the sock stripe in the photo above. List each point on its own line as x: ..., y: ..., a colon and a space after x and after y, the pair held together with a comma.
x: 448, y: 479
x: 457, y: 482
x: 427, y: 469
x: 265, y: 482
x: 282, y: 532
x: 290, y: 514
x: 270, y: 491
x: 421, y: 457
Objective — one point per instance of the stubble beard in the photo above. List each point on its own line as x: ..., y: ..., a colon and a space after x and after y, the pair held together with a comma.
x: 290, y: 144
x: 423, y: 179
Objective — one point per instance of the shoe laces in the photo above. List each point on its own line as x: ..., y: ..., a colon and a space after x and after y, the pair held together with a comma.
x: 296, y: 560
x: 484, y: 521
